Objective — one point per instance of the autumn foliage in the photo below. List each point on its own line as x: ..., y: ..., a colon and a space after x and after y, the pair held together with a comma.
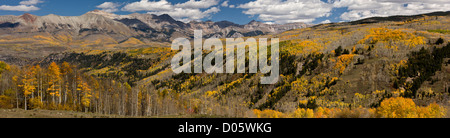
x: 390, y: 108
x: 392, y: 38
x: 405, y: 108
x: 343, y: 61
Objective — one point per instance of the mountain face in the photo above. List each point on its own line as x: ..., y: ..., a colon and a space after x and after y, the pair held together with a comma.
x: 27, y: 37
x: 146, y: 27
x: 330, y: 70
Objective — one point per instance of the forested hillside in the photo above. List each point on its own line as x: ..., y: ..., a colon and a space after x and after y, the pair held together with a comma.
x: 384, y: 68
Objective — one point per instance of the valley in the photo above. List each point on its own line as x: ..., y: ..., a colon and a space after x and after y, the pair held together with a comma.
x: 111, y: 64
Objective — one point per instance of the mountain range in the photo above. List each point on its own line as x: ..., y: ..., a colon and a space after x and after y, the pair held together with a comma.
x: 145, y: 27
x: 121, y: 64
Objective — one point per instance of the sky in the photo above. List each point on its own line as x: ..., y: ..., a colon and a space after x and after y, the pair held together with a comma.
x: 237, y: 11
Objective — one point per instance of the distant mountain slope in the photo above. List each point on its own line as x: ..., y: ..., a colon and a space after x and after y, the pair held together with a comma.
x: 327, y: 68
x: 330, y: 70
x: 31, y: 36
x: 144, y: 26
x: 396, y: 18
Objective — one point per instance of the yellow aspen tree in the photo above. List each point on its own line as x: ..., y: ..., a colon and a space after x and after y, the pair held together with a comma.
x: 54, y: 76
x: 28, y: 84
x: 85, y: 94
x: 39, y: 79
x: 95, y: 91
x: 343, y: 61
x: 3, y: 67
x: 66, y: 69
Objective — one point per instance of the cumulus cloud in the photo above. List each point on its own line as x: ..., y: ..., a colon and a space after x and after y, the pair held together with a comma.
x: 19, y: 8
x: 287, y: 11
x: 27, y: 5
x: 145, y: 5
x: 193, y: 4
x: 187, y: 11
x: 109, y: 6
x: 359, y: 9
x: 325, y: 21
x: 224, y: 4
x: 30, y: 2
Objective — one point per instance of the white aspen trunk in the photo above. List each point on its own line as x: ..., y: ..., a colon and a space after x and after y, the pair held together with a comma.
x: 17, y: 100
x: 137, y: 103
x: 32, y: 92
x: 148, y: 104
x: 25, y: 102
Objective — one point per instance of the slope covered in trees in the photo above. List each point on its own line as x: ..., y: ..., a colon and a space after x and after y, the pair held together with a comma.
x: 383, y: 69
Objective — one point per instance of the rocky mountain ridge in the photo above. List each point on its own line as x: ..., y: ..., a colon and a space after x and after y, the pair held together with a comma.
x: 145, y: 27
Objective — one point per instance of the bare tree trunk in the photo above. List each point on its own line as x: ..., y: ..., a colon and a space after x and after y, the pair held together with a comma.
x: 25, y: 102
x: 17, y: 99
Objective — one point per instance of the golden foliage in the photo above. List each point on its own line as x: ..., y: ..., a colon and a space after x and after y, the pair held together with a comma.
x: 54, y: 75
x: 132, y: 41
x: 36, y: 103
x: 28, y: 82
x: 86, y: 93
x: 320, y: 112
x: 396, y: 66
x: 5, y: 102
x: 232, y: 84
x: 392, y: 38
x: 46, y: 40
x: 343, y: 61
x: 391, y: 108
x: 4, y: 67
x: 400, y: 107
x: 397, y: 108
x: 298, y: 47
x: 303, y: 113
x: 268, y: 114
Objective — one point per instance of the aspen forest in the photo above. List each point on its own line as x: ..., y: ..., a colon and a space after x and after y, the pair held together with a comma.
x: 361, y: 69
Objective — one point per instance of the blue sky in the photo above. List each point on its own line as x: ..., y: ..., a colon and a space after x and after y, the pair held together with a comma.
x: 238, y: 11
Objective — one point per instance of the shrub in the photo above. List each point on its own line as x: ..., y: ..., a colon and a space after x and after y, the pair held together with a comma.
x: 398, y: 107
x: 406, y: 108
x: 303, y: 113
x: 355, y: 113
x: 345, y: 52
x: 338, y: 51
x: 431, y: 111
x: 5, y: 102
x: 36, y: 103
x: 268, y: 114
x: 439, y: 41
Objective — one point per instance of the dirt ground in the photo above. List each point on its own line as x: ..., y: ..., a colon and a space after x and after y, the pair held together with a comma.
x: 36, y: 113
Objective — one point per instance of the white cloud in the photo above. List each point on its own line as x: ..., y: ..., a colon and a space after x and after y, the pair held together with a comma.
x: 224, y: 4
x: 193, y: 4
x: 27, y: 5
x: 30, y: 2
x: 19, y: 8
x: 109, y: 6
x: 187, y: 11
x: 145, y: 5
x: 287, y: 11
x: 231, y: 6
x: 359, y: 9
x: 325, y: 21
